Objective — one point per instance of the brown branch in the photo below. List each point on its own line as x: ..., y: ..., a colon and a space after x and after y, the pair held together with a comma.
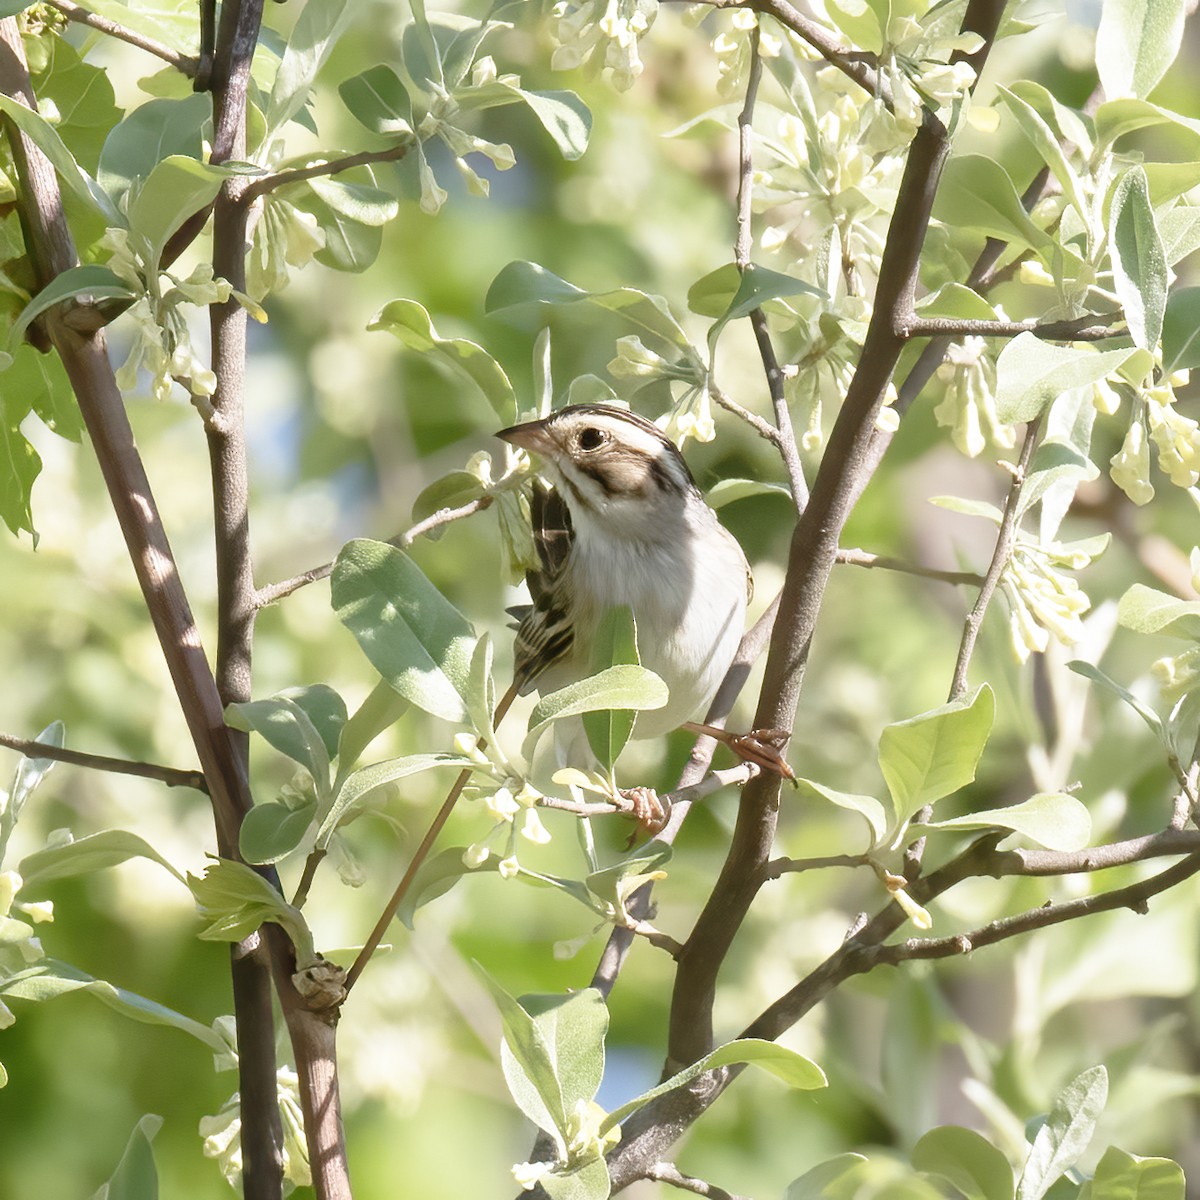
x: 333, y: 166
x: 852, y: 63
x: 1092, y: 327
x: 183, y: 63
x: 85, y: 358
x: 779, y: 867
x: 1005, y: 541
x: 753, y: 643
x: 882, y: 562
x: 664, y: 1172
x: 444, y: 516
x: 171, y: 776
x: 845, y: 469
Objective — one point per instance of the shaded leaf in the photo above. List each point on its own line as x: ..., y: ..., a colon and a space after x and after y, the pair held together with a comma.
x: 84, y: 855
x: 98, y: 283
x: 382, y: 708
x: 378, y: 99
x: 726, y: 491
x: 1030, y: 374
x: 286, y: 726
x: 931, y: 755
x: 1052, y: 819
x: 793, y: 1069
x: 1140, y: 272
x: 967, y: 1160
x: 614, y: 644
x: 1089, y: 671
x: 317, y: 28
x: 413, y: 636
x: 1065, y: 1136
x: 411, y: 324
x: 136, y: 1176
x: 272, y: 830
x: 153, y: 131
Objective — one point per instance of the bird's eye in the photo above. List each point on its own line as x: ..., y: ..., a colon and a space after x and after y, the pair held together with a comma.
x: 592, y: 439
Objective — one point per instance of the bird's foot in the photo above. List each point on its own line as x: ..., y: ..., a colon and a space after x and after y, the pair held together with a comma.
x: 644, y: 806
x: 764, y: 747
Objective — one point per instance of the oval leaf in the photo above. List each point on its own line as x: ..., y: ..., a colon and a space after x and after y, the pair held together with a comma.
x: 967, y: 1160
x: 272, y: 831
x: 413, y: 636
x: 92, y: 853
x: 1052, y: 819
x: 931, y: 755
x: 1030, y: 374
x: 866, y: 806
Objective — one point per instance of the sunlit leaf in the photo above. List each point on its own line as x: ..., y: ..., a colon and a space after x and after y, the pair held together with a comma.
x: 867, y: 807
x: 1064, y: 1137
x: 1031, y: 373
x: 1136, y: 42
x: 1121, y: 1176
x: 1052, y: 819
x: 1140, y: 272
x: 84, y: 855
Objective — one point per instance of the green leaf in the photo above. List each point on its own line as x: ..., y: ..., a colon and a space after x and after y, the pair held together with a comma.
x: 565, y: 118
x: 1030, y: 374
x: 10, y: 8
x: 625, y: 687
x: 382, y: 708
x: 29, y: 775
x: 452, y: 490
x: 1115, y: 118
x: 825, y: 1180
x: 1065, y: 123
x: 793, y: 1069
x: 1049, y: 147
x: 434, y: 878
x: 756, y: 285
x: 92, y: 853
x: 956, y: 301
x: 177, y: 188
x: 931, y: 755
x: 73, y: 176
x: 1088, y: 671
x: 413, y: 636
x: 480, y: 696
x: 272, y: 830
x: 1052, y: 819
x: 97, y: 283
x: 1146, y: 610
x: 525, y: 288
x: 318, y: 27
x: 1140, y: 272
x: 866, y: 806
x: 153, y: 131
x: 42, y: 380
x: 612, y: 886
x: 378, y: 99
x: 361, y: 783
x: 48, y: 978
x: 529, y: 1064
x: 614, y: 644
x: 1054, y: 463
x: 977, y: 193
x: 136, y: 1176
x: 967, y: 1160
x: 286, y: 726
x: 1136, y: 42
x: 82, y: 95
x: 968, y: 508
x: 590, y: 1181
x: 1179, y: 229
x: 411, y: 324
x: 20, y: 463
x: 1065, y: 1136
x: 235, y: 900
x: 1121, y: 1176
x: 726, y: 491
x: 1181, y: 330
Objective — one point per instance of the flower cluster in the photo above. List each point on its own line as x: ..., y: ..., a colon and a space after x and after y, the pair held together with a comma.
x: 733, y: 49
x: 438, y: 123
x: 162, y: 344
x: 222, y: 1134
x: 512, y: 813
x: 916, y: 63
x: 602, y: 34
x: 824, y: 369
x: 1043, y: 601
x: 1156, y: 423
x: 969, y: 405
x: 284, y: 236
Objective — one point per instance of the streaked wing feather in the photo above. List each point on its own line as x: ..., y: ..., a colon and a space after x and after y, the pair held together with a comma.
x: 545, y: 634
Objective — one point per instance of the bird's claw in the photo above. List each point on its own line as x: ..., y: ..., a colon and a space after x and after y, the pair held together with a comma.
x: 644, y: 806
x: 765, y: 748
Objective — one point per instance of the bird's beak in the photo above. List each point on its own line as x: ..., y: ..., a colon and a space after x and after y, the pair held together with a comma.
x: 530, y: 436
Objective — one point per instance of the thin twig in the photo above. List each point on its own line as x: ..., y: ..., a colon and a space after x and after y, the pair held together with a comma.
x: 778, y: 867
x: 1092, y: 327
x: 171, y: 776
x: 863, y: 558
x: 853, y: 63
x: 444, y: 516
x: 183, y: 63
x: 764, y: 429
x: 784, y: 437
x: 1005, y: 540
x: 331, y: 166
x: 665, y: 1172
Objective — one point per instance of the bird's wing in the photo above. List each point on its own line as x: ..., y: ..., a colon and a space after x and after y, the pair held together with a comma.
x: 545, y: 633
